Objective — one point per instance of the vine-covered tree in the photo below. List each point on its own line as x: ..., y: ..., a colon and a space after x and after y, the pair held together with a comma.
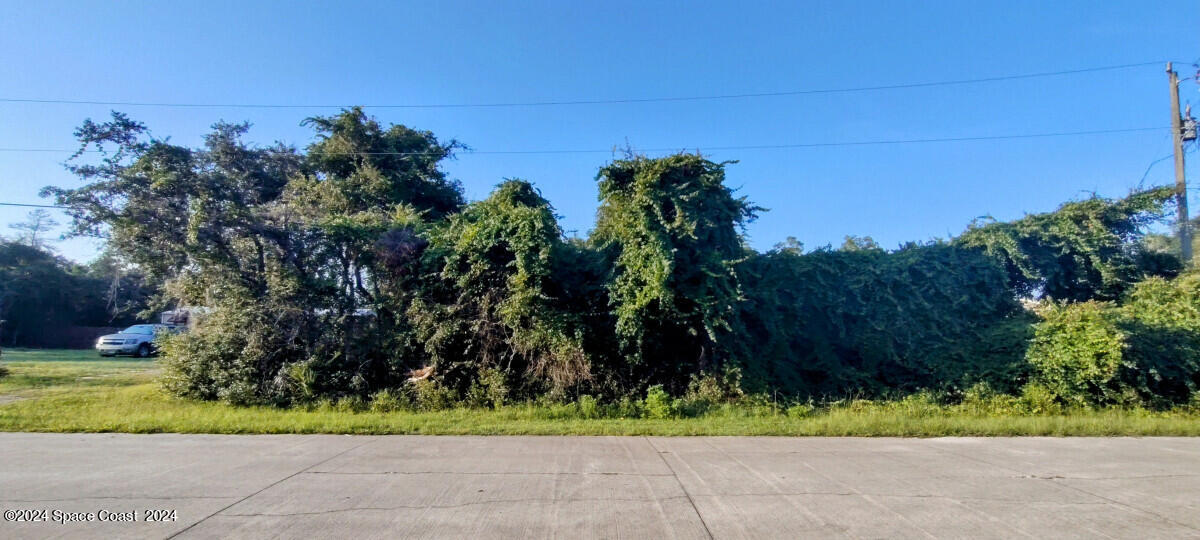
x: 494, y: 297
x: 672, y: 230
x: 1085, y: 250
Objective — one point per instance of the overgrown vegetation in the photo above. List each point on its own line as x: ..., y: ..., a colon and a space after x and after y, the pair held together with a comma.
x: 1143, y: 350
x: 870, y: 322
x: 353, y: 276
x: 1085, y: 250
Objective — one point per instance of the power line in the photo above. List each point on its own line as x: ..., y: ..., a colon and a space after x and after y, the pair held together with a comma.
x: 1151, y: 166
x: 31, y: 205
x: 744, y: 147
x: 951, y: 82
x: 711, y: 148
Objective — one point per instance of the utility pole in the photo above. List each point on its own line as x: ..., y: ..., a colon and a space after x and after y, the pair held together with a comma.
x: 1181, y: 203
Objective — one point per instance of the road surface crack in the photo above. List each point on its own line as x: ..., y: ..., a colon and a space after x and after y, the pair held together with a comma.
x: 681, y: 486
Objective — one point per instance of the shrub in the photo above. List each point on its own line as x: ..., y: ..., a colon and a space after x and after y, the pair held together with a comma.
x: 589, y: 407
x: 246, y: 352
x: 801, y: 410
x: 1084, y: 250
x: 389, y: 400
x: 628, y: 407
x: 351, y: 404
x: 716, y: 387
x: 984, y: 399
x: 1162, y: 320
x: 228, y: 357
x: 489, y: 390
x: 658, y: 403
x: 429, y: 395
x: 1037, y: 399
x: 1077, y: 353
x: 492, y: 297
x: 707, y: 390
x: 670, y: 228
x: 300, y: 380
x: 1146, y: 350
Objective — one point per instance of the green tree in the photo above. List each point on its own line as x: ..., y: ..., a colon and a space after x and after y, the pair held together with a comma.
x: 494, y: 300
x: 372, y: 166
x: 269, y: 235
x: 1085, y: 250
x: 672, y: 230
x: 34, y: 230
x: 40, y: 293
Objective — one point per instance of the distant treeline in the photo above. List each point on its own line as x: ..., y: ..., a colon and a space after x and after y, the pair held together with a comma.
x: 337, y: 270
x: 44, y: 297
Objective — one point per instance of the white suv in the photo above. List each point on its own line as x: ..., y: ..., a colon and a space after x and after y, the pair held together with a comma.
x: 137, y: 340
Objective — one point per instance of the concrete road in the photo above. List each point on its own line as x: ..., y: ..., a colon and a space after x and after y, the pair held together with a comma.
x: 328, y: 486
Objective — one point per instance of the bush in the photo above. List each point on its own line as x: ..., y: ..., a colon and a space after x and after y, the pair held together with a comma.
x: 628, y: 407
x: 1037, y: 399
x: 1077, y: 354
x: 801, y: 410
x: 489, y: 390
x: 716, y: 388
x: 984, y: 400
x: 1146, y: 350
x: 708, y: 390
x: 760, y: 404
x: 252, y: 353
x: 224, y: 358
x: 389, y: 400
x: 670, y: 229
x: 589, y: 407
x: 429, y: 395
x: 1084, y: 250
x: 658, y: 403
x: 351, y: 404
x: 492, y: 297
x: 1162, y: 320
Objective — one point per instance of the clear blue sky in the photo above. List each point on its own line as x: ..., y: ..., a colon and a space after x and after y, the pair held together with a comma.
x: 480, y: 52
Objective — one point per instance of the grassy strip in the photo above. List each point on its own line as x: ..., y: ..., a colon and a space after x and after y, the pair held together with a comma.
x: 80, y: 394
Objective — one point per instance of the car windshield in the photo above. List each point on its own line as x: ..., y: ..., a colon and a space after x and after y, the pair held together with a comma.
x: 139, y: 329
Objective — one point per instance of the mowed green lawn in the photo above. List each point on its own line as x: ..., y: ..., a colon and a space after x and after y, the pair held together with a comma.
x: 77, y: 391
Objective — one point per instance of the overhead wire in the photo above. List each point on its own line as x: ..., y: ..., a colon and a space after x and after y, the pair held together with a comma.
x: 545, y: 103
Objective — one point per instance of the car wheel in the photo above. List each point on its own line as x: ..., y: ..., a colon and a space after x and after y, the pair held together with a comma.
x: 143, y: 350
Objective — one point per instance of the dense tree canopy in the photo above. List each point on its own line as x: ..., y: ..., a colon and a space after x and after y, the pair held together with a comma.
x: 1088, y: 249
x: 834, y: 322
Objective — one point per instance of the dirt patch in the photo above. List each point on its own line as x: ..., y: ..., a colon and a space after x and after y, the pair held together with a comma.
x: 5, y: 399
